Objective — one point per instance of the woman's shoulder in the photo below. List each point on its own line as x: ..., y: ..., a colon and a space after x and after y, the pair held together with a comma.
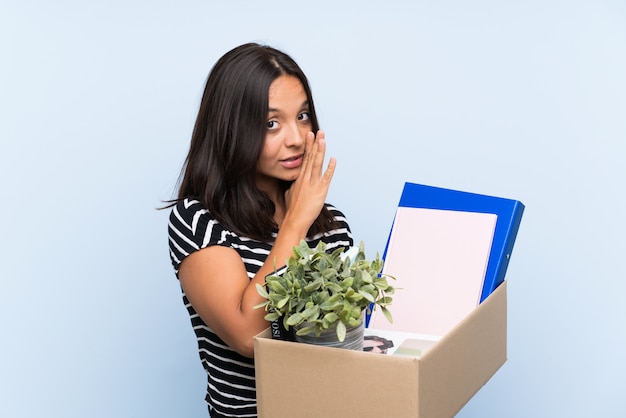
x: 190, y: 220
x: 337, y: 214
x: 191, y: 228
x: 188, y: 209
x: 340, y: 234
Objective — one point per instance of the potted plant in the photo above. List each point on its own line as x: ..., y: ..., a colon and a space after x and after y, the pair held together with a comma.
x: 321, y: 294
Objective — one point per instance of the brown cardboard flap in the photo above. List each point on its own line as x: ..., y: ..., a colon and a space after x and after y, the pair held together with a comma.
x: 464, y: 359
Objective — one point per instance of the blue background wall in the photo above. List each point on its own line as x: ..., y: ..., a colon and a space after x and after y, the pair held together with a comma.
x: 525, y: 100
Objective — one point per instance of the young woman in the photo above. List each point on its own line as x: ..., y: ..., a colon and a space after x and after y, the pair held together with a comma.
x: 252, y: 187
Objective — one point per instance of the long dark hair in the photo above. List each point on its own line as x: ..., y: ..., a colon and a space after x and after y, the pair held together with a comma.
x: 228, y: 136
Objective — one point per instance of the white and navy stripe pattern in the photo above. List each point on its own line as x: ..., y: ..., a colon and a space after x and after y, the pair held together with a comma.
x: 230, y: 376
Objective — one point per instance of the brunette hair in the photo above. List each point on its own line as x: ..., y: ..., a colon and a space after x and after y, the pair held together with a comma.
x: 228, y: 137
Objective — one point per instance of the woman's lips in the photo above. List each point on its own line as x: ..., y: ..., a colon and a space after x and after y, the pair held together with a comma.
x: 292, y: 162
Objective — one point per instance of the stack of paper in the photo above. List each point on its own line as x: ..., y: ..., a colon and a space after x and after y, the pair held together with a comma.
x: 448, y: 251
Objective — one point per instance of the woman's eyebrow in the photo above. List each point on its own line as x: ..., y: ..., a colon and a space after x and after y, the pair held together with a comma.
x: 274, y: 110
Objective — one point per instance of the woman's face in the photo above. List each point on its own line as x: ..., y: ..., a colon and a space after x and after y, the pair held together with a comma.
x: 287, y: 126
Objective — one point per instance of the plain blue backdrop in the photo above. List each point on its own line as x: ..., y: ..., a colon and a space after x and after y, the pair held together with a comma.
x: 523, y: 100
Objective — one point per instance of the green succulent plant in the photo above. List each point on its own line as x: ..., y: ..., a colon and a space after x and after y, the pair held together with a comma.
x: 323, y: 290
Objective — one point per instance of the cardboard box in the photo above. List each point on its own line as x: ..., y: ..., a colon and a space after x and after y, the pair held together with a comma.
x: 302, y: 380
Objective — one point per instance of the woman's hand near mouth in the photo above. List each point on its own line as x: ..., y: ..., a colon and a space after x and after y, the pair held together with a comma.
x: 306, y: 197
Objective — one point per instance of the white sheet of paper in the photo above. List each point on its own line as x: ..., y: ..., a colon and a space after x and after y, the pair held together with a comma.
x: 439, y: 258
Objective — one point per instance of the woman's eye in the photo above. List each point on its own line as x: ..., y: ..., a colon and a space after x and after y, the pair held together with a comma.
x: 304, y: 116
x: 272, y: 124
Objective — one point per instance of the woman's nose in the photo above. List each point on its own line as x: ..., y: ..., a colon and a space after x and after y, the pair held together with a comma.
x: 296, y: 136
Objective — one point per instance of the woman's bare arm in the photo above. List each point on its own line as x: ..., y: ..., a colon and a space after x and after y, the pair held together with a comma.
x: 215, y: 279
